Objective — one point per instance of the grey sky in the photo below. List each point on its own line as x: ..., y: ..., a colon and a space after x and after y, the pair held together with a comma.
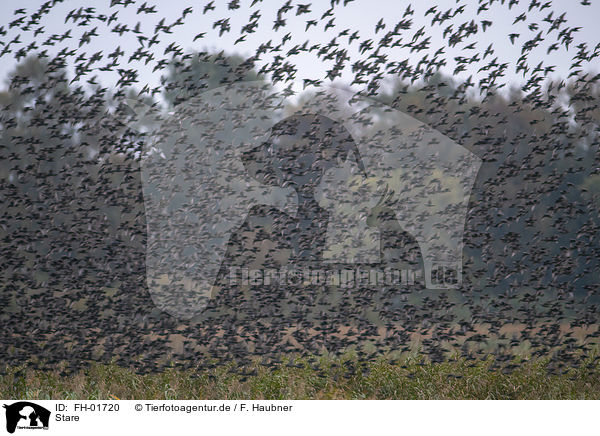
x: 360, y: 15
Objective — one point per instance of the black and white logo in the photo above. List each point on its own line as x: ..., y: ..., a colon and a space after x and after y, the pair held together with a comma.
x: 25, y: 415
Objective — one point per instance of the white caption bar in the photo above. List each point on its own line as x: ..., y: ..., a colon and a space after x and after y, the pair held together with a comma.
x: 298, y: 417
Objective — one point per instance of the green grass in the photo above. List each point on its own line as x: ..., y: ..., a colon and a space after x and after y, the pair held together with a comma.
x: 320, y: 378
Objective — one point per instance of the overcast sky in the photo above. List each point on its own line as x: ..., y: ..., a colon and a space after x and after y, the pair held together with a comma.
x: 359, y: 15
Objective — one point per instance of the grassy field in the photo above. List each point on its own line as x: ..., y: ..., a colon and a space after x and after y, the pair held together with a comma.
x: 317, y: 378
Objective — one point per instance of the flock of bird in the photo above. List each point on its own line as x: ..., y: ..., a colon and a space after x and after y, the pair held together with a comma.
x: 73, y: 226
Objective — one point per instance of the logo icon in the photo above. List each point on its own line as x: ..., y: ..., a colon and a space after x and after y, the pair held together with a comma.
x: 26, y: 415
